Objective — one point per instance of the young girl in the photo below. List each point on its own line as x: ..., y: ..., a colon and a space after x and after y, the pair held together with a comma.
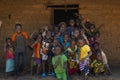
x: 100, y: 64
x: 85, y: 53
x: 59, y: 62
x: 72, y: 58
x: 37, y: 56
x: 9, y: 56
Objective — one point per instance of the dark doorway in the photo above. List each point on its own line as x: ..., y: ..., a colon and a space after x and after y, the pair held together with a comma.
x: 63, y: 12
x: 63, y: 15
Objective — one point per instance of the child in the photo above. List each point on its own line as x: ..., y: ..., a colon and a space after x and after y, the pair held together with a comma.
x: 76, y: 34
x: 72, y: 58
x: 9, y: 56
x: 37, y: 56
x: 46, y: 52
x: 100, y: 57
x: 59, y: 62
x: 65, y: 42
x: 85, y: 53
x: 20, y: 39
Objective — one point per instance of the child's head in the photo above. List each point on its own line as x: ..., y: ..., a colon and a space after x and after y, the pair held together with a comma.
x: 57, y: 50
x: 81, y: 42
x: 18, y: 28
x: 62, y: 26
x: 99, y: 56
x: 96, y: 46
x: 55, y: 41
x: 97, y: 35
x: 72, y: 22
x: 8, y: 41
x: 48, y: 34
x: 39, y: 38
x: 76, y: 33
x: 66, y: 37
x: 72, y: 43
x: 92, y: 27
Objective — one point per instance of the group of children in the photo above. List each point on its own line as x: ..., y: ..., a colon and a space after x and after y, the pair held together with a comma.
x: 64, y: 50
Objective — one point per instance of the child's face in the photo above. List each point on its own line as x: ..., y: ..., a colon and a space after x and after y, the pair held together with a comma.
x: 55, y: 41
x: 57, y: 50
x: 62, y: 28
x: 9, y: 42
x: 18, y: 29
x: 72, y: 22
x: 80, y: 43
x: 99, y: 57
x: 92, y: 28
x: 39, y: 38
x: 66, y: 38
x: 48, y: 35
x: 73, y: 44
x: 76, y: 33
x: 96, y: 47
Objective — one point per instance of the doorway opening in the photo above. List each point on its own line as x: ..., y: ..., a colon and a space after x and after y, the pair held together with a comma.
x: 64, y: 13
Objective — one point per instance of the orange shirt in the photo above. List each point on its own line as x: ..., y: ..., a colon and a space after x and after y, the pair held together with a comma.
x: 37, y: 48
x: 16, y: 34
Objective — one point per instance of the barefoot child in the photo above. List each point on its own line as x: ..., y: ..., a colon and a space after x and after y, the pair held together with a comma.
x: 37, y: 56
x: 45, y: 51
x: 100, y: 64
x: 59, y: 62
x: 72, y: 58
x: 85, y: 53
x: 9, y: 56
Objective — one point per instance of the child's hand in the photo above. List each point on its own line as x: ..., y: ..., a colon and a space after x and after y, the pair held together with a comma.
x: 0, y: 23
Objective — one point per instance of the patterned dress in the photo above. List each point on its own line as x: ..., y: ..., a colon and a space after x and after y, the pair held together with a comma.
x: 72, y: 60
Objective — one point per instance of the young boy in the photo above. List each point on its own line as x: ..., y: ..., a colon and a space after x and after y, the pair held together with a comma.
x: 59, y: 62
x: 85, y: 53
x: 19, y: 38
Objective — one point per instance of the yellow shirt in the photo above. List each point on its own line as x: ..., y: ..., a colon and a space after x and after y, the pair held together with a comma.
x: 84, y: 51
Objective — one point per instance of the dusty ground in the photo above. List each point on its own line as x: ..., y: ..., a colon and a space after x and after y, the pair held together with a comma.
x: 115, y: 76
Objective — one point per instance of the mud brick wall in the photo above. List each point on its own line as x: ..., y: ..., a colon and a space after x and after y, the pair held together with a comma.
x: 33, y: 14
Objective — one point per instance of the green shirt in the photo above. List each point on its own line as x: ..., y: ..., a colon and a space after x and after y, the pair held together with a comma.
x: 60, y: 67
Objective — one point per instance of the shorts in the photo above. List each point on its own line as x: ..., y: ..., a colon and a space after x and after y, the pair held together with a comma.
x: 61, y: 76
x: 38, y: 61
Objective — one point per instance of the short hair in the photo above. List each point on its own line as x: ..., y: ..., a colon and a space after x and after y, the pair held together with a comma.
x: 16, y: 25
x: 8, y: 38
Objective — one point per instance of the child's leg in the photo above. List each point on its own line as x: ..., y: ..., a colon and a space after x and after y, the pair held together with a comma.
x: 64, y: 76
x: 32, y: 61
x: 38, y: 67
x: 43, y: 68
x: 107, y: 69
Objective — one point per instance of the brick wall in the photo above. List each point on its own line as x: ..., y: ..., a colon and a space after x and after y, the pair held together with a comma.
x: 33, y: 14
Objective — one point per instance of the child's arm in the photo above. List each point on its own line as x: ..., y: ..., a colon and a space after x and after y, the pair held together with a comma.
x: 33, y: 44
x: 104, y: 57
x: 0, y: 24
x: 55, y: 64
x: 84, y: 26
x: 84, y: 36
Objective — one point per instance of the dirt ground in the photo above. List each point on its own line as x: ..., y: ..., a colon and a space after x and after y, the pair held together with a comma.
x: 114, y: 76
